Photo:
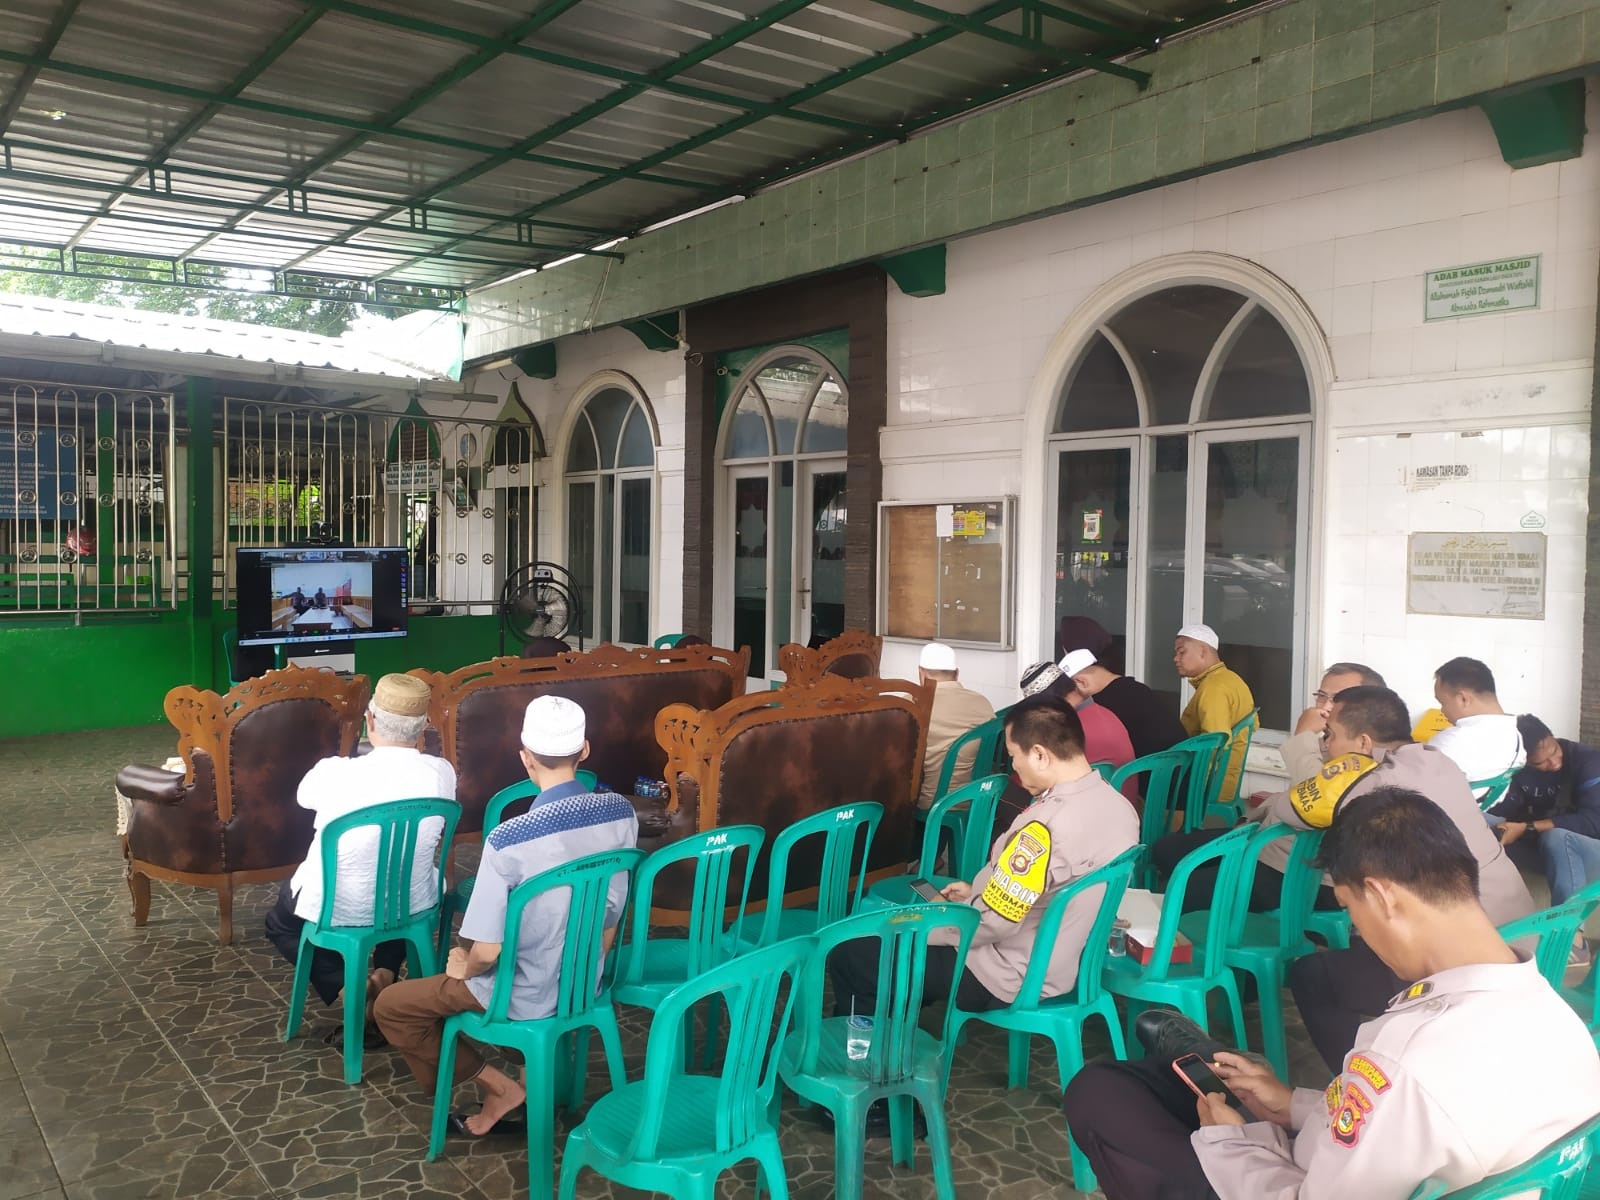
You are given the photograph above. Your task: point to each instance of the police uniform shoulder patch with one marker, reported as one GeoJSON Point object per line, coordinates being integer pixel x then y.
{"type": "Point", "coordinates": [1363, 1066]}
{"type": "Point", "coordinates": [1331, 1096]}
{"type": "Point", "coordinates": [1354, 1106]}
{"type": "Point", "coordinates": [1019, 875]}
{"type": "Point", "coordinates": [1317, 799]}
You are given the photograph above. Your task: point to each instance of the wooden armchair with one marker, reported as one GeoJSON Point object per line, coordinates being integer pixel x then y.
{"type": "Point", "coordinates": [232, 816]}
{"type": "Point", "coordinates": [772, 758]}
{"type": "Point", "coordinates": [854, 654]}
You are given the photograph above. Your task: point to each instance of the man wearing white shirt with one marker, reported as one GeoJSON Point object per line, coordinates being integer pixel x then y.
{"type": "Point", "coordinates": [395, 769]}
{"type": "Point", "coordinates": [1482, 738]}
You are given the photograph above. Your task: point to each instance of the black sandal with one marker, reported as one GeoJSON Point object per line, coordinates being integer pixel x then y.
{"type": "Point", "coordinates": [371, 1036]}
{"type": "Point", "coordinates": [513, 1124]}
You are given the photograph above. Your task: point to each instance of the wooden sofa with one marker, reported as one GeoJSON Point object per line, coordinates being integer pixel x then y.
{"type": "Point", "coordinates": [476, 711]}
{"type": "Point", "coordinates": [854, 654]}
{"type": "Point", "coordinates": [773, 758]}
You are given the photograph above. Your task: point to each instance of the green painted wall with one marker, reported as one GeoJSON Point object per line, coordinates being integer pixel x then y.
{"type": "Point", "coordinates": [1309, 71]}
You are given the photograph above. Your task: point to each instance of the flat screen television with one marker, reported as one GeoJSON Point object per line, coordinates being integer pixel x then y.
{"type": "Point", "coordinates": [320, 594]}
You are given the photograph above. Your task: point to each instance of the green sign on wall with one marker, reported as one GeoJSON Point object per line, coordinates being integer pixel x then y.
{"type": "Point", "coordinates": [1509, 283]}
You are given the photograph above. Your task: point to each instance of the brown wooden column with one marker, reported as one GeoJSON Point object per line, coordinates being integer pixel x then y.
{"type": "Point", "coordinates": [854, 300]}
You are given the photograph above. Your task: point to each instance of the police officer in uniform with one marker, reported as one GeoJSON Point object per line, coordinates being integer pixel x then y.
{"type": "Point", "coordinates": [1431, 1089]}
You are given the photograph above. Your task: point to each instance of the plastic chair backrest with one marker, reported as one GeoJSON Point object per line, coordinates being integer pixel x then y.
{"type": "Point", "coordinates": [525, 789]}
{"type": "Point", "coordinates": [1555, 927]}
{"type": "Point", "coordinates": [987, 736]}
{"type": "Point", "coordinates": [399, 828]}
{"type": "Point", "coordinates": [1556, 1173]}
{"type": "Point", "coordinates": [714, 856]}
{"type": "Point", "coordinates": [1105, 770]}
{"type": "Point", "coordinates": [1113, 877]}
{"type": "Point", "coordinates": [1164, 791]}
{"type": "Point", "coordinates": [588, 881]}
{"type": "Point", "coordinates": [1300, 883]}
{"type": "Point", "coordinates": [966, 859]}
{"type": "Point", "coordinates": [1238, 743]}
{"type": "Point", "coordinates": [1228, 853]}
{"type": "Point", "coordinates": [752, 988]}
{"type": "Point", "coordinates": [902, 937]}
{"type": "Point", "coordinates": [666, 641]}
{"type": "Point", "coordinates": [1205, 781]}
{"type": "Point", "coordinates": [230, 642]}
{"type": "Point", "coordinates": [841, 827]}
{"type": "Point", "coordinates": [1494, 790]}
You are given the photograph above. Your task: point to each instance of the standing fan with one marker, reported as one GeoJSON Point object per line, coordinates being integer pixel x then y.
{"type": "Point", "coordinates": [539, 600]}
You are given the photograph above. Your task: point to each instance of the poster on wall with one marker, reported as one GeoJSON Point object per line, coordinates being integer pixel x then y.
{"type": "Point", "coordinates": [1476, 574]}
{"type": "Point", "coordinates": [38, 474]}
{"type": "Point", "coordinates": [1500, 286]}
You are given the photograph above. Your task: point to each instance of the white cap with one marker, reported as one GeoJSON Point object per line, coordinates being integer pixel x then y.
{"type": "Point", "coordinates": [1200, 633]}
{"type": "Point", "coordinates": [936, 656]}
{"type": "Point", "coordinates": [553, 726]}
{"type": "Point", "coordinates": [1076, 661]}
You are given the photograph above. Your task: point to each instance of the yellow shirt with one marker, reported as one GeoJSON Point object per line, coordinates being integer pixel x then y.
{"type": "Point", "coordinates": [1221, 700]}
{"type": "Point", "coordinates": [1429, 723]}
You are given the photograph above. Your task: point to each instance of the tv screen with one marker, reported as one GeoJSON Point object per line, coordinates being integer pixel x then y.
{"type": "Point", "coordinates": [321, 594]}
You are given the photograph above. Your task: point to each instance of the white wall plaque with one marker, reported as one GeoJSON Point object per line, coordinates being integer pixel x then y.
{"type": "Point", "coordinates": [1509, 283]}
{"type": "Point", "coordinates": [1476, 574]}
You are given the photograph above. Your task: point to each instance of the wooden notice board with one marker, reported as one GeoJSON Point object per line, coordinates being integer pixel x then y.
{"type": "Point", "coordinates": [945, 573]}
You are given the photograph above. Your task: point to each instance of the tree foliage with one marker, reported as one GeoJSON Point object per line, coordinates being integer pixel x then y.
{"type": "Point", "coordinates": [331, 318]}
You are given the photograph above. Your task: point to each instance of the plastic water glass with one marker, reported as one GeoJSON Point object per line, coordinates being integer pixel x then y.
{"type": "Point", "coordinates": [858, 1036]}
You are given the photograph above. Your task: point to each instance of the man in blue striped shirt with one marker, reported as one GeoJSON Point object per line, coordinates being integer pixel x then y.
{"type": "Point", "coordinates": [565, 822]}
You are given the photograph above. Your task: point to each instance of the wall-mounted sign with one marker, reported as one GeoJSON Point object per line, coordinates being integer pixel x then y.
{"type": "Point", "coordinates": [38, 474]}
{"type": "Point", "coordinates": [413, 475]}
{"type": "Point", "coordinates": [1092, 523]}
{"type": "Point", "coordinates": [1476, 574]}
{"type": "Point", "coordinates": [1432, 474]}
{"type": "Point", "coordinates": [1501, 286]}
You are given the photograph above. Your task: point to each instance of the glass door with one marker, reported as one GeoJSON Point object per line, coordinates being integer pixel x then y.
{"type": "Point", "coordinates": [1247, 521]}
{"type": "Point", "coordinates": [819, 594]}
{"type": "Point", "coordinates": [750, 489]}
{"type": "Point", "coordinates": [1094, 531]}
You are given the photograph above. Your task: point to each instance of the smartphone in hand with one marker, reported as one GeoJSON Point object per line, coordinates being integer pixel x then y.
{"type": "Point", "coordinates": [1202, 1080]}
{"type": "Point", "coordinates": [927, 891]}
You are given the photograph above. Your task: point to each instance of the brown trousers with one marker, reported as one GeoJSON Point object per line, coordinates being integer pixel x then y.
{"type": "Point", "coordinates": [411, 1015]}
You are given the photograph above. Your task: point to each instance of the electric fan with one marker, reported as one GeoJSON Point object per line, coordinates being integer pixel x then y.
{"type": "Point", "coordinates": [539, 600]}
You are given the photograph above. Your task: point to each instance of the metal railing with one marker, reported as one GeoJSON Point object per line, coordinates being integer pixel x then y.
{"type": "Point", "coordinates": [457, 493]}
{"type": "Point", "coordinates": [86, 499]}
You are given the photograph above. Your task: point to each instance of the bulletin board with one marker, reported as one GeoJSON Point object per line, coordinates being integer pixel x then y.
{"type": "Point", "coordinates": [944, 571]}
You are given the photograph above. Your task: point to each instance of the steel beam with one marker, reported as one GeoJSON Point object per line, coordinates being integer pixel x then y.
{"type": "Point", "coordinates": [141, 83]}
{"type": "Point", "coordinates": [46, 47]}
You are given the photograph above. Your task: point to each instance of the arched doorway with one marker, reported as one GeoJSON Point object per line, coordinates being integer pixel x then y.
{"type": "Point", "coordinates": [1178, 485]}
{"type": "Point", "coordinates": [783, 512]}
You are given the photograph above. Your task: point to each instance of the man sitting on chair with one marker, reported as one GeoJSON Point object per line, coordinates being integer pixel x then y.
{"type": "Point", "coordinates": [1432, 1088]}
{"type": "Point", "coordinates": [395, 769]}
{"type": "Point", "coordinates": [565, 822]}
{"type": "Point", "coordinates": [956, 711]}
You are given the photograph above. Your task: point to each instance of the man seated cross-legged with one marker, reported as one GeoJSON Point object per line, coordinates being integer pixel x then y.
{"type": "Point", "coordinates": [395, 769]}
{"type": "Point", "coordinates": [1432, 1088]}
{"type": "Point", "coordinates": [565, 822]}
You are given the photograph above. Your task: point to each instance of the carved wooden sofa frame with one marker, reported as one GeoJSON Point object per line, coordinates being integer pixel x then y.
{"type": "Point", "coordinates": [619, 689]}
{"type": "Point", "coordinates": [200, 817]}
{"type": "Point", "coordinates": [854, 654]}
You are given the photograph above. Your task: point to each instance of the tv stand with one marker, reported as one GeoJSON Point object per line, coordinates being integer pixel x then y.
{"type": "Point", "coordinates": [338, 657]}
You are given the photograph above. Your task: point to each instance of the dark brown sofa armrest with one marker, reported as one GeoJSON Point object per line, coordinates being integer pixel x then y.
{"type": "Point", "coordinates": [154, 784]}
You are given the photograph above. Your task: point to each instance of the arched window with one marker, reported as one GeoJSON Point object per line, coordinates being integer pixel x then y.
{"type": "Point", "coordinates": [1180, 465]}
{"type": "Point", "coordinates": [610, 475]}
{"type": "Point", "coordinates": [784, 438]}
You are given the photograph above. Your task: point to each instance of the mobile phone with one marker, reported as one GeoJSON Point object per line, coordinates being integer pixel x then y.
{"type": "Point", "coordinates": [1202, 1080]}
{"type": "Point", "coordinates": [927, 891]}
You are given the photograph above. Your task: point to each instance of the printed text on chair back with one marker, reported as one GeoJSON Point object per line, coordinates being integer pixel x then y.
{"type": "Point", "coordinates": [982, 798]}
{"type": "Point", "coordinates": [723, 861]}
{"type": "Point", "coordinates": [838, 841]}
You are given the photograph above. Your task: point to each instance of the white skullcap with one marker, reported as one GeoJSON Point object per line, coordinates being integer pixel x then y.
{"type": "Point", "coordinates": [553, 726]}
{"type": "Point", "coordinates": [1200, 633]}
{"type": "Point", "coordinates": [936, 656]}
{"type": "Point", "coordinates": [1077, 661]}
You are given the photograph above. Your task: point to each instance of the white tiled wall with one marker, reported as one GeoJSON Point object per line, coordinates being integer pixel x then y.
{"type": "Point", "coordinates": [1350, 227]}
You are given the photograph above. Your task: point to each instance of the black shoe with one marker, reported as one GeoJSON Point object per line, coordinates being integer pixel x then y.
{"type": "Point", "coordinates": [1167, 1033]}
{"type": "Point", "coordinates": [514, 1123]}
{"type": "Point", "coordinates": [371, 1036]}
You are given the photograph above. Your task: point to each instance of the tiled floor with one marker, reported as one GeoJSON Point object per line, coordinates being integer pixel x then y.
{"type": "Point", "coordinates": [147, 1063]}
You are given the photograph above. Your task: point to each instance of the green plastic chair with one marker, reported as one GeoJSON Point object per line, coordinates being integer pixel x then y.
{"type": "Point", "coordinates": [1556, 1173]}
{"type": "Point", "coordinates": [554, 1049]}
{"type": "Point", "coordinates": [1230, 808]}
{"type": "Point", "coordinates": [455, 899]}
{"type": "Point", "coordinates": [1494, 790]}
{"type": "Point", "coordinates": [1264, 944]}
{"type": "Point", "coordinates": [990, 740]}
{"type": "Point", "coordinates": [976, 804]}
{"type": "Point", "coordinates": [650, 968]}
{"type": "Point", "coordinates": [1105, 770]}
{"type": "Point", "coordinates": [1165, 788]}
{"type": "Point", "coordinates": [904, 1064]}
{"type": "Point", "coordinates": [840, 828]}
{"type": "Point", "coordinates": [1556, 927]}
{"type": "Point", "coordinates": [398, 827]}
{"type": "Point", "coordinates": [1064, 1019]}
{"type": "Point", "coordinates": [1186, 986]}
{"type": "Point", "coordinates": [675, 1132]}
{"type": "Point", "coordinates": [667, 641]}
